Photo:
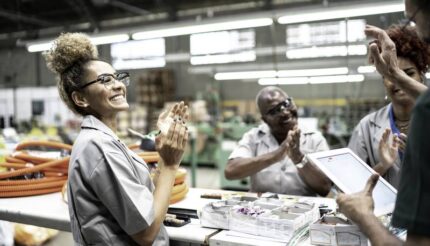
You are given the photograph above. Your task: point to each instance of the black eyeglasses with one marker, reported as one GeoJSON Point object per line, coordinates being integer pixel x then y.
{"type": "Point", "coordinates": [108, 79]}
{"type": "Point", "coordinates": [287, 104]}
{"type": "Point", "coordinates": [410, 20]}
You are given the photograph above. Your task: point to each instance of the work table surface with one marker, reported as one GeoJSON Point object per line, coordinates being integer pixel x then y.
{"type": "Point", "coordinates": [50, 211]}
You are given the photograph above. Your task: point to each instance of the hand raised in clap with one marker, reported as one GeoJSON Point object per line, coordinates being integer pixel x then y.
{"type": "Point", "coordinates": [388, 151]}
{"type": "Point", "coordinates": [293, 143]}
{"type": "Point", "coordinates": [383, 57]}
{"type": "Point", "coordinates": [173, 137]}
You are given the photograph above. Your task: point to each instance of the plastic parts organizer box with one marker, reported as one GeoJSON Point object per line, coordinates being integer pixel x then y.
{"type": "Point", "coordinates": [267, 217]}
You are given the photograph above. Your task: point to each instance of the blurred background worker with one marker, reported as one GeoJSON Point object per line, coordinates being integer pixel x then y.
{"type": "Point", "coordinates": [274, 153]}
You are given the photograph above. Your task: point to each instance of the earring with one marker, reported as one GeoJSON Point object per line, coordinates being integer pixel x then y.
{"type": "Point", "coordinates": [386, 98]}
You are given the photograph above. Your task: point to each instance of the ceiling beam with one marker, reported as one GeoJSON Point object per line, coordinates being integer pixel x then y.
{"type": "Point", "coordinates": [129, 8]}
{"type": "Point", "coordinates": [86, 9]}
{"type": "Point", "coordinates": [24, 18]}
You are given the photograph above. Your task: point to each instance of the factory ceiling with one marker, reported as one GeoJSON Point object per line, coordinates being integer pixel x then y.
{"type": "Point", "coordinates": [22, 20]}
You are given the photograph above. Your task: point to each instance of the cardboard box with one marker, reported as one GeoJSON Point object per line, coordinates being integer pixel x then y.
{"type": "Point", "coordinates": [334, 231]}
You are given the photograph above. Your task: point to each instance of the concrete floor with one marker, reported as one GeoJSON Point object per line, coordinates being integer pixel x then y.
{"type": "Point", "coordinates": [205, 178]}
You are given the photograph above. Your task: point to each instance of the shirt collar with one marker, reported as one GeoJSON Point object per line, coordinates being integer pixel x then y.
{"type": "Point", "coordinates": [381, 117]}
{"type": "Point", "coordinates": [92, 122]}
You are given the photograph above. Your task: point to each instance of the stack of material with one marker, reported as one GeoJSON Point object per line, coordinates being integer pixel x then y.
{"type": "Point", "coordinates": [32, 172]}
{"type": "Point", "coordinates": [180, 188]}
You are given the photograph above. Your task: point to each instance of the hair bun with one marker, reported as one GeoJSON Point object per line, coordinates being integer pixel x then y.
{"type": "Point", "coordinates": [68, 49]}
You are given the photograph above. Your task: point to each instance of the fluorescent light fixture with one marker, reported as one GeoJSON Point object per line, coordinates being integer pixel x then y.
{"type": "Point", "coordinates": [212, 27]}
{"type": "Point", "coordinates": [245, 75]}
{"type": "Point", "coordinates": [37, 47]}
{"type": "Point", "coordinates": [313, 72]}
{"type": "Point", "coordinates": [137, 64]}
{"type": "Point", "coordinates": [281, 74]}
{"type": "Point", "coordinates": [357, 50]}
{"type": "Point", "coordinates": [224, 58]}
{"type": "Point", "coordinates": [336, 79]}
{"type": "Point", "coordinates": [366, 69]}
{"type": "Point", "coordinates": [96, 40]}
{"type": "Point", "coordinates": [326, 51]}
{"type": "Point", "coordinates": [284, 81]}
{"type": "Point", "coordinates": [312, 80]}
{"type": "Point", "coordinates": [341, 12]}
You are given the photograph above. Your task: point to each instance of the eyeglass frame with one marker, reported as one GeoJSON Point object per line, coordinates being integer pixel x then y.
{"type": "Point", "coordinates": [277, 109]}
{"type": "Point", "coordinates": [114, 76]}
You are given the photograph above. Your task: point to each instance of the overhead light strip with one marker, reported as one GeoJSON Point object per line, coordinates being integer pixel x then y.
{"type": "Point", "coordinates": [341, 12]}
{"type": "Point", "coordinates": [212, 27]}
{"type": "Point", "coordinates": [327, 51]}
{"type": "Point", "coordinates": [366, 69]}
{"type": "Point", "coordinates": [281, 73]}
{"type": "Point", "coordinates": [96, 40]}
{"type": "Point", "coordinates": [246, 75]}
{"type": "Point", "coordinates": [312, 80]}
{"type": "Point", "coordinates": [313, 72]}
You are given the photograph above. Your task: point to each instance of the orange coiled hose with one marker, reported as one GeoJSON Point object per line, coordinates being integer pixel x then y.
{"type": "Point", "coordinates": [178, 188]}
{"type": "Point", "coordinates": [15, 165]}
{"type": "Point", "coordinates": [54, 170]}
{"type": "Point", "coordinates": [44, 185]}
{"type": "Point", "coordinates": [134, 146]}
{"type": "Point", "coordinates": [30, 181]}
{"type": "Point", "coordinates": [179, 196]}
{"type": "Point", "coordinates": [34, 169]}
{"type": "Point", "coordinates": [29, 192]}
{"type": "Point", "coordinates": [30, 158]}
{"type": "Point", "coordinates": [149, 157]}
{"type": "Point", "coordinates": [54, 174]}
{"type": "Point", "coordinates": [21, 166]}
{"type": "Point", "coordinates": [56, 145]}
{"type": "Point", "coordinates": [11, 159]}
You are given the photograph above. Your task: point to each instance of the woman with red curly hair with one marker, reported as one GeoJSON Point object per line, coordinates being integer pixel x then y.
{"type": "Point", "coordinates": [371, 139]}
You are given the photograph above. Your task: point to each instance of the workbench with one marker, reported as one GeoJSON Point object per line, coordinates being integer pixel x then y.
{"type": "Point", "coordinates": [50, 211]}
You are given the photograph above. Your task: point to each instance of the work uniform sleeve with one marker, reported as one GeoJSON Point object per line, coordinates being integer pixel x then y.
{"type": "Point", "coordinates": [246, 147]}
{"type": "Point", "coordinates": [413, 197]}
{"type": "Point", "coordinates": [357, 142]}
{"type": "Point", "coordinates": [320, 142]}
{"type": "Point", "coordinates": [118, 187]}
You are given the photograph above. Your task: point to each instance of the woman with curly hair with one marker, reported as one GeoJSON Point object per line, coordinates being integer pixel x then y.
{"type": "Point", "coordinates": [371, 137]}
{"type": "Point", "coordinates": [112, 199]}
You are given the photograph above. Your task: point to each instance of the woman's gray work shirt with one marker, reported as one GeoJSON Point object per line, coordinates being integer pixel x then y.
{"type": "Point", "coordinates": [365, 142]}
{"type": "Point", "coordinates": [109, 189]}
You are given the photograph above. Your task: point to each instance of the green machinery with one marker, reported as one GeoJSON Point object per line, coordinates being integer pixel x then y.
{"type": "Point", "coordinates": [212, 145]}
{"type": "Point", "coordinates": [232, 133]}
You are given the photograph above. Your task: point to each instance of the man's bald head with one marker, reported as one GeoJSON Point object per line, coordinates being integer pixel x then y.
{"type": "Point", "coordinates": [266, 94]}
